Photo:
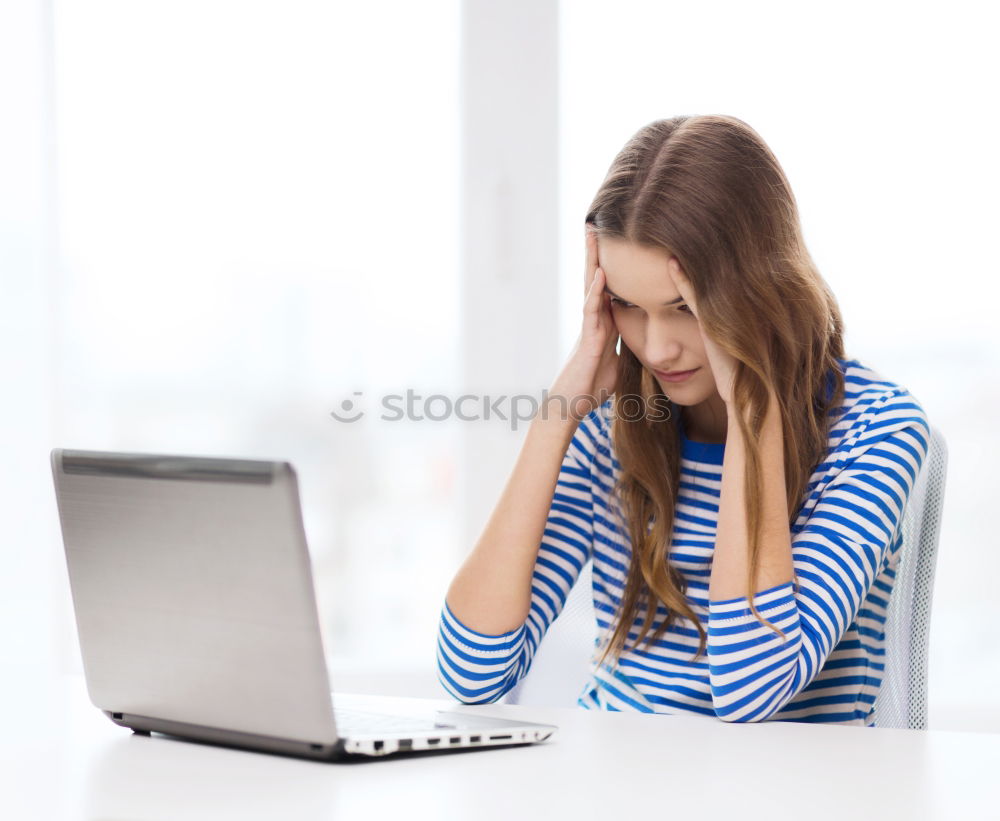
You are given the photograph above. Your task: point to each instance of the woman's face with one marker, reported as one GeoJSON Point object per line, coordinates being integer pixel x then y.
{"type": "Point", "coordinates": [654, 322]}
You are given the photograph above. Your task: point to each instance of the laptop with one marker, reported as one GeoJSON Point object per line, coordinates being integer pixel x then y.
{"type": "Point", "coordinates": [196, 612]}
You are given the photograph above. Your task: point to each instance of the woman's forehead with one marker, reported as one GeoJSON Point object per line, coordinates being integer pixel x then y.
{"type": "Point", "coordinates": [637, 273]}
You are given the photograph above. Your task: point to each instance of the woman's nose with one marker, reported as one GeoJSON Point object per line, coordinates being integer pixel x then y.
{"type": "Point", "coordinates": [662, 345]}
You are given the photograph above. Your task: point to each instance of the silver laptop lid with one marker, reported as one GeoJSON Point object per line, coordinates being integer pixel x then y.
{"type": "Point", "coordinates": [193, 591]}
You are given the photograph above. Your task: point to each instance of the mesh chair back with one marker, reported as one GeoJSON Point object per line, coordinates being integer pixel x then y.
{"type": "Point", "coordinates": [902, 699]}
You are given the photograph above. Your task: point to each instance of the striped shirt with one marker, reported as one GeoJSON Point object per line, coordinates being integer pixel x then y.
{"type": "Point", "coordinates": [845, 547]}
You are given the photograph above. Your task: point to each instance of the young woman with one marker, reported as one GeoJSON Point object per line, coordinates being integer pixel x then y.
{"type": "Point", "coordinates": [741, 491]}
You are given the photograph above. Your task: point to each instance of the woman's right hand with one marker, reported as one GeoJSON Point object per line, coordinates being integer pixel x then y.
{"type": "Point", "coordinates": [588, 377]}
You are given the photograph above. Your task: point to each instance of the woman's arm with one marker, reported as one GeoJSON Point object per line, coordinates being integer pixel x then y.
{"type": "Point", "coordinates": [491, 593]}
{"type": "Point", "coordinates": [730, 561]}
{"type": "Point", "coordinates": [839, 551]}
{"type": "Point", "coordinates": [477, 667]}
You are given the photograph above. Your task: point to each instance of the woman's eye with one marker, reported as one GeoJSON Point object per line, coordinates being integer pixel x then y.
{"type": "Point", "coordinates": [621, 303]}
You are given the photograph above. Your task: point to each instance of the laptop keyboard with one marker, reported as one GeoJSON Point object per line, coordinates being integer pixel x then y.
{"type": "Point", "coordinates": [360, 721]}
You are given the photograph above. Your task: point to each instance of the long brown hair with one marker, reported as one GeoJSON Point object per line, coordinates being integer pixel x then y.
{"type": "Point", "coordinates": [709, 191]}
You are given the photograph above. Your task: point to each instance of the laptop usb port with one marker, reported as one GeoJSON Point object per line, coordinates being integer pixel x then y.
{"type": "Point", "coordinates": [474, 739]}
{"type": "Point", "coordinates": [455, 740]}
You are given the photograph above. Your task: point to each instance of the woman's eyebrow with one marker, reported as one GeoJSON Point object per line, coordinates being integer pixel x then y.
{"type": "Point", "coordinates": [672, 302]}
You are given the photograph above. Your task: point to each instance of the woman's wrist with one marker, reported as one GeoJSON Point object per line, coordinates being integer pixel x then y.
{"type": "Point", "coordinates": [557, 404]}
{"type": "Point", "coordinates": [772, 415]}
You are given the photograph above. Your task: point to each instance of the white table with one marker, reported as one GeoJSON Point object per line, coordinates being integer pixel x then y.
{"type": "Point", "coordinates": [61, 758]}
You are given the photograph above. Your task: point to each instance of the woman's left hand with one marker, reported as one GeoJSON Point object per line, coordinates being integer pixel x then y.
{"type": "Point", "coordinates": [723, 365]}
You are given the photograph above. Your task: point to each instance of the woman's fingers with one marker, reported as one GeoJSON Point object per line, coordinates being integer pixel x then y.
{"type": "Point", "coordinates": [595, 294]}
{"type": "Point", "coordinates": [598, 321]}
{"type": "Point", "coordinates": [592, 368]}
{"type": "Point", "coordinates": [591, 259]}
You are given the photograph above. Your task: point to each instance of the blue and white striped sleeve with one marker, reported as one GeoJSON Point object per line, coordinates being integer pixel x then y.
{"type": "Point", "coordinates": [837, 554]}
{"type": "Point", "coordinates": [477, 668]}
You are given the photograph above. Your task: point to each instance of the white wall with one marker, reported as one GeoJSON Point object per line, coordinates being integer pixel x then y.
{"type": "Point", "coordinates": [31, 575]}
{"type": "Point", "coordinates": [510, 259]}
{"type": "Point", "coordinates": [256, 218]}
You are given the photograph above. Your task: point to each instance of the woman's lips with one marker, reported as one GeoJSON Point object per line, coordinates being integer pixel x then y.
{"type": "Point", "coordinates": [674, 376]}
